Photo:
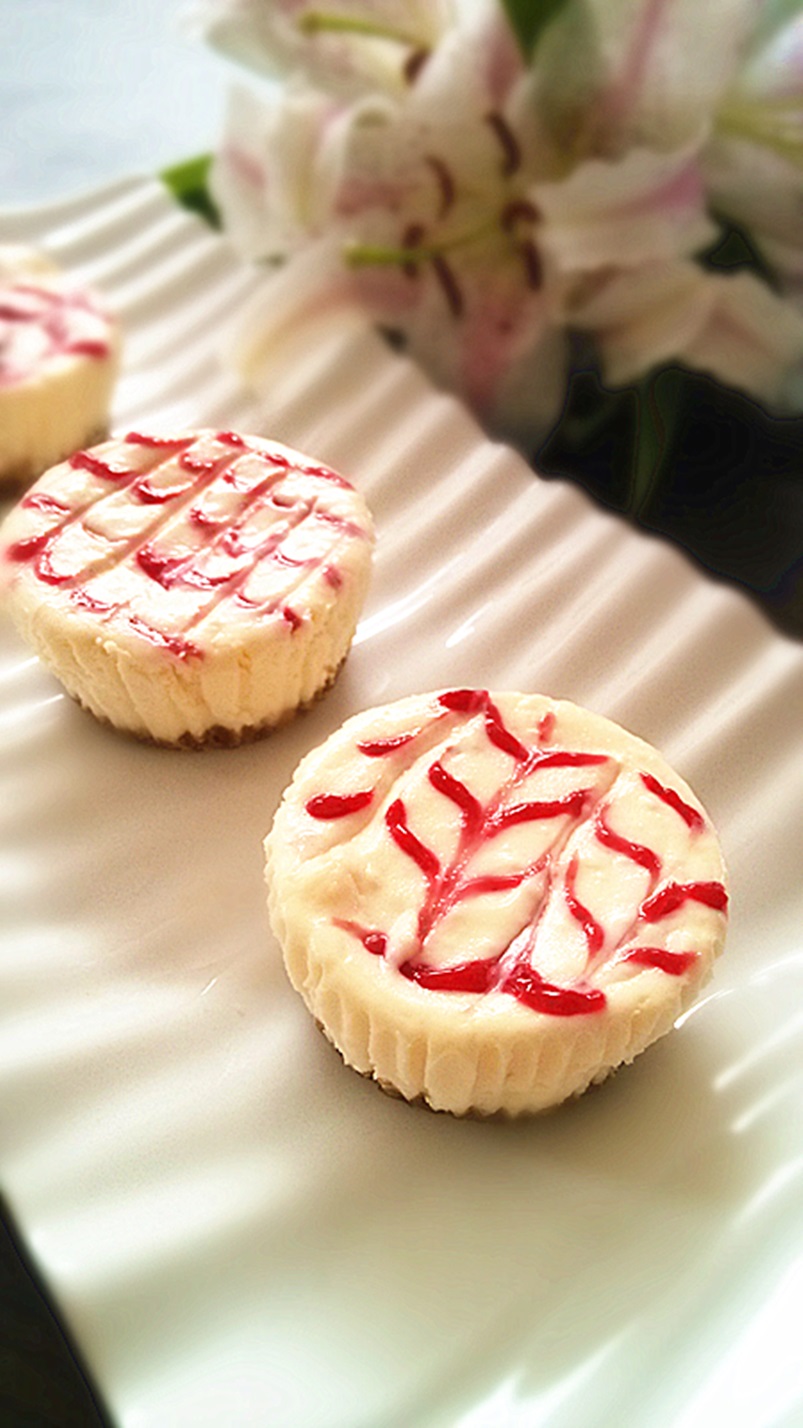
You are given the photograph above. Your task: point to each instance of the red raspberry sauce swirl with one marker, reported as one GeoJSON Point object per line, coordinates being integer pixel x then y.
{"type": "Point", "coordinates": [510, 970]}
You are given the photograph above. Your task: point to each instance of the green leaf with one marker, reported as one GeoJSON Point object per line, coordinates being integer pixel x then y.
{"type": "Point", "coordinates": [188, 182]}
{"type": "Point", "coordinates": [659, 398]}
{"type": "Point", "coordinates": [529, 18]}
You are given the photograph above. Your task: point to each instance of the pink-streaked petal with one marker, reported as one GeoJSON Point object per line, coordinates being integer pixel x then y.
{"type": "Point", "coordinates": [310, 292]}
{"type": "Point", "coordinates": [272, 174]}
{"type": "Point", "coordinates": [624, 212]}
{"type": "Point", "coordinates": [614, 74]}
{"type": "Point", "coordinates": [502, 354]}
{"type": "Point", "coordinates": [729, 325]}
{"type": "Point", "coordinates": [477, 61]}
{"type": "Point", "coordinates": [644, 317]}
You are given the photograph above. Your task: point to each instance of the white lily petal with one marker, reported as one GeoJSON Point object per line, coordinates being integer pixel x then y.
{"type": "Point", "coordinates": [754, 162]}
{"type": "Point", "coordinates": [616, 73]}
{"type": "Point", "coordinates": [729, 325]}
{"type": "Point", "coordinates": [476, 64]}
{"type": "Point", "coordinates": [275, 169]}
{"type": "Point", "coordinates": [752, 340]}
{"type": "Point", "coordinates": [786, 259]}
{"type": "Point", "coordinates": [624, 212]}
{"type": "Point", "coordinates": [644, 317]}
{"type": "Point", "coordinates": [499, 333]}
{"type": "Point", "coordinates": [347, 49]}
{"type": "Point", "coordinates": [310, 291]}
{"type": "Point", "coordinates": [389, 178]}
{"type": "Point", "coordinates": [450, 117]}
{"type": "Point", "coordinates": [434, 184]}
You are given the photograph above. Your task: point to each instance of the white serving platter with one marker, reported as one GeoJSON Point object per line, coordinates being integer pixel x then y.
{"type": "Point", "coordinates": [237, 1229]}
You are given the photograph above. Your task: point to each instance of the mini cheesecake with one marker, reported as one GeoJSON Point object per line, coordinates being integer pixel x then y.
{"type": "Point", "coordinates": [191, 588]}
{"type": "Point", "coordinates": [59, 352]}
{"type": "Point", "coordinates": [488, 902]}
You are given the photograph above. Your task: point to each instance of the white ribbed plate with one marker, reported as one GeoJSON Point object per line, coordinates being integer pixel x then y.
{"type": "Point", "coordinates": [238, 1230]}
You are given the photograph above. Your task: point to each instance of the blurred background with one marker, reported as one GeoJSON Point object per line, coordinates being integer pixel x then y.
{"type": "Point", "coordinates": [96, 89]}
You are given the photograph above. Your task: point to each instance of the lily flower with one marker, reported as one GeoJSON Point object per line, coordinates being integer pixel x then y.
{"type": "Point", "coordinates": [481, 206]}
{"type": "Point", "coordinates": [449, 235]}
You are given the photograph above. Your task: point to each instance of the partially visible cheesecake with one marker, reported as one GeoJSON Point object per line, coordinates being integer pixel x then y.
{"type": "Point", "coordinates": [59, 353]}
{"type": "Point", "coordinates": [489, 902]}
{"type": "Point", "coordinates": [193, 588]}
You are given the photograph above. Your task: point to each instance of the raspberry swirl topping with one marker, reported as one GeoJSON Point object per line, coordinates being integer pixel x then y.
{"type": "Point", "coordinates": [544, 844]}
{"type": "Point", "coordinates": [176, 539]}
{"type": "Point", "coordinates": [42, 322]}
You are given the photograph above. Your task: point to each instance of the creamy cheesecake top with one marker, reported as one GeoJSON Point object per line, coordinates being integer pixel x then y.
{"type": "Point", "coordinates": [181, 542]}
{"type": "Point", "coordinates": [44, 320]}
{"type": "Point", "coordinates": [506, 850]}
